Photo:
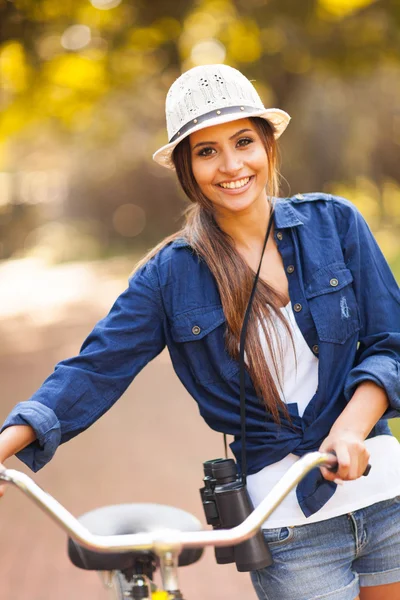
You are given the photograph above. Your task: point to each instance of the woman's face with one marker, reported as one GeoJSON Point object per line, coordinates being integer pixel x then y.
{"type": "Point", "coordinates": [229, 163]}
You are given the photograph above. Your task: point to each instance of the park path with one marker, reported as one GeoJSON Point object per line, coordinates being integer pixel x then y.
{"type": "Point", "coordinates": [148, 448]}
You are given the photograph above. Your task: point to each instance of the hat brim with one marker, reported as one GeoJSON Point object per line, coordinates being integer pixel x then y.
{"type": "Point", "coordinates": [279, 119]}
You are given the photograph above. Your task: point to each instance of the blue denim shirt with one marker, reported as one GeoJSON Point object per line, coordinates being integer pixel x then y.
{"type": "Point", "coordinates": [346, 303]}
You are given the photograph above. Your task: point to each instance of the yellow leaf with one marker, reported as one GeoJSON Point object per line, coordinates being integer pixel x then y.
{"type": "Point", "coordinates": [343, 8]}
{"type": "Point", "coordinates": [77, 73]}
{"type": "Point", "coordinates": [244, 43]}
{"type": "Point", "coordinates": [14, 70]}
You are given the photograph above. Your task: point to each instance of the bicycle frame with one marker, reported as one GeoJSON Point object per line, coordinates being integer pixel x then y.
{"type": "Point", "coordinates": [168, 544]}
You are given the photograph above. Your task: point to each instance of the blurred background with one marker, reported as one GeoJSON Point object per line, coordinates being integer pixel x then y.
{"type": "Point", "coordinates": [82, 89]}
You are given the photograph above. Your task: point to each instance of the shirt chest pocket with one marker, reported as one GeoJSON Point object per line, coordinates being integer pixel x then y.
{"type": "Point", "coordinates": [333, 303]}
{"type": "Point", "coordinates": [199, 338]}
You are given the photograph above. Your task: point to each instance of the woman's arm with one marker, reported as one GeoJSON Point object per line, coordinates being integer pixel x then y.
{"type": "Point", "coordinates": [16, 438]}
{"type": "Point", "coordinates": [372, 388]}
{"type": "Point", "coordinates": [349, 431]}
{"type": "Point", "coordinates": [378, 300]}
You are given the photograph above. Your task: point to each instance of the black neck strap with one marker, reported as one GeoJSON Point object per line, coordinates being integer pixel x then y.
{"type": "Point", "coordinates": [241, 355]}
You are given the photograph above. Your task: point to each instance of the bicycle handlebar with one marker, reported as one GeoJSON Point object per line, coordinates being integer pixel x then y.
{"type": "Point", "coordinates": [168, 540]}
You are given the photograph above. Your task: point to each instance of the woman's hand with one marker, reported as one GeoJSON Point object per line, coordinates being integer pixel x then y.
{"type": "Point", "coordinates": [12, 440]}
{"type": "Point", "coordinates": [351, 452]}
{"type": "Point", "coordinates": [351, 428]}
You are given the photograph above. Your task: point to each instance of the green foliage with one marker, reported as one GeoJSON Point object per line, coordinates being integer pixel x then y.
{"type": "Point", "coordinates": [395, 427]}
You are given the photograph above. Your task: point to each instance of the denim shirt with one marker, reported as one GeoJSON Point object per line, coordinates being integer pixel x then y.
{"type": "Point", "coordinates": [346, 303]}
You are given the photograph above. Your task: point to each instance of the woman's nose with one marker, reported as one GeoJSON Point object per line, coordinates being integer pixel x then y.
{"type": "Point", "coordinates": [231, 163]}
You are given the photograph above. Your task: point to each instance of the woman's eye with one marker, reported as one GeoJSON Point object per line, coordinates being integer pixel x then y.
{"type": "Point", "coordinates": [244, 141]}
{"type": "Point", "coordinates": [207, 151]}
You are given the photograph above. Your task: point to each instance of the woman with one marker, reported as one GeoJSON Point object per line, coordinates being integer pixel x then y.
{"type": "Point", "coordinates": [322, 348]}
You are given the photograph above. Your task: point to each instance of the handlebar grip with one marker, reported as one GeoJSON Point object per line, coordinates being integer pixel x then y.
{"type": "Point", "coordinates": [334, 468]}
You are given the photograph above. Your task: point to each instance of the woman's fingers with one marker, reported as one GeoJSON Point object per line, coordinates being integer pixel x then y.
{"type": "Point", "coordinates": [343, 464]}
{"type": "Point", "coordinates": [363, 461]}
{"type": "Point", "coordinates": [344, 459]}
{"type": "Point", "coordinates": [327, 474]}
{"type": "Point", "coordinates": [352, 457]}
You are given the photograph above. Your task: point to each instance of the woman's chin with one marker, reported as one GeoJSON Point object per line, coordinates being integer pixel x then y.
{"type": "Point", "coordinates": [238, 203]}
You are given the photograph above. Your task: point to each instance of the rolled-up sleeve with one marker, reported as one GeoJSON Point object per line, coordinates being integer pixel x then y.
{"type": "Point", "coordinates": [81, 389]}
{"type": "Point", "coordinates": [378, 299]}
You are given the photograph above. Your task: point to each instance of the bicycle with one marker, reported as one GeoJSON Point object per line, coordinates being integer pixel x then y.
{"type": "Point", "coordinates": [155, 537]}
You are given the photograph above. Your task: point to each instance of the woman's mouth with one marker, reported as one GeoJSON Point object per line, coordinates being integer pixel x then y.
{"type": "Point", "coordinates": [237, 186]}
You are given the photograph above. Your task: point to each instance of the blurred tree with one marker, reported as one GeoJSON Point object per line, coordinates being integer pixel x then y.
{"type": "Point", "coordinates": [83, 85]}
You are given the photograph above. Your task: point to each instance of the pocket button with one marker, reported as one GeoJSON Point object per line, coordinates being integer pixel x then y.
{"type": "Point", "coordinates": [334, 282]}
{"type": "Point", "coordinates": [196, 330]}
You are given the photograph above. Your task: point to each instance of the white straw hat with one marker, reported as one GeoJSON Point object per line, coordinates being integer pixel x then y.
{"type": "Point", "coordinates": [209, 95]}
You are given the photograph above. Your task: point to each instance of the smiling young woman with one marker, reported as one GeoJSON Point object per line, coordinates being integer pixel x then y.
{"type": "Point", "coordinates": [322, 346]}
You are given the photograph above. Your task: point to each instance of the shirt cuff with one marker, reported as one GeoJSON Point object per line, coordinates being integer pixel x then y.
{"type": "Point", "coordinates": [385, 372]}
{"type": "Point", "coordinates": [46, 426]}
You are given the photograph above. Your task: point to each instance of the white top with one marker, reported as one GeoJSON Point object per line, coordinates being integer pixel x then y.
{"type": "Point", "coordinates": [299, 379]}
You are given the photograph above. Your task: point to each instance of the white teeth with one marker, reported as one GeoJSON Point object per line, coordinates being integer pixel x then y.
{"type": "Point", "coordinates": [232, 185]}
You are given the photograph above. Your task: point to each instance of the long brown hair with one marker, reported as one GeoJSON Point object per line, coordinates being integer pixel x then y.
{"type": "Point", "coordinates": [233, 275]}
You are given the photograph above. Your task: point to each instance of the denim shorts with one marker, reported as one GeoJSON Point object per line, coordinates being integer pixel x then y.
{"type": "Point", "coordinates": [332, 559]}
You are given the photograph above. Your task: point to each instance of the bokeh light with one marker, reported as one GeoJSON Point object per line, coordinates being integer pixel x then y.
{"type": "Point", "coordinates": [48, 46]}
{"type": "Point", "coordinates": [14, 69]}
{"type": "Point", "coordinates": [76, 37]}
{"type": "Point", "coordinates": [105, 4]}
{"type": "Point", "coordinates": [209, 51]}
{"type": "Point", "coordinates": [342, 8]}
{"type": "Point", "coordinates": [82, 107]}
{"type": "Point", "coordinates": [129, 220]}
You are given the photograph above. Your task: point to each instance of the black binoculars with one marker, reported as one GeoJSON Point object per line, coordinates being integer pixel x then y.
{"type": "Point", "coordinates": [226, 503]}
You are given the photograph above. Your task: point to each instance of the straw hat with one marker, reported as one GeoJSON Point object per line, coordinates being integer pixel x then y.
{"type": "Point", "coordinates": [209, 95]}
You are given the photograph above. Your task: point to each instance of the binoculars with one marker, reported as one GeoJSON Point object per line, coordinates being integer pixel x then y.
{"type": "Point", "coordinates": [226, 503]}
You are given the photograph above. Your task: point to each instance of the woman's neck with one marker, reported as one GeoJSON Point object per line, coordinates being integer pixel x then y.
{"type": "Point", "coordinates": [247, 229]}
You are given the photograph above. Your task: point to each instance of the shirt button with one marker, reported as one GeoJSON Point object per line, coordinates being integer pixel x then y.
{"type": "Point", "coordinates": [297, 307]}
{"type": "Point", "coordinates": [196, 330]}
{"type": "Point", "coordinates": [279, 235]}
{"type": "Point", "coordinates": [290, 269]}
{"type": "Point", "coordinates": [334, 282]}
{"type": "Point", "coordinates": [315, 349]}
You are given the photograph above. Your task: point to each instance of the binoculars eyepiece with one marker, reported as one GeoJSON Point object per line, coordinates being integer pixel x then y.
{"type": "Point", "coordinates": [226, 503]}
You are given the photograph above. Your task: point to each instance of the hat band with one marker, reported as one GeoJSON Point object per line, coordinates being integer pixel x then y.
{"type": "Point", "coordinates": [227, 110]}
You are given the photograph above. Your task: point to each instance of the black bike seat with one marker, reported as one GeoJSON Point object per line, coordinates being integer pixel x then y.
{"type": "Point", "coordinates": [122, 519]}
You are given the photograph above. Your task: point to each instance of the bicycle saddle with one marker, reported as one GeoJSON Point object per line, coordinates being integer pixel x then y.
{"type": "Point", "coordinates": [122, 519]}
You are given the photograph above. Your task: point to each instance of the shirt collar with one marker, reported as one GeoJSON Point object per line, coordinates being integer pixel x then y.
{"type": "Point", "coordinates": [285, 216]}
